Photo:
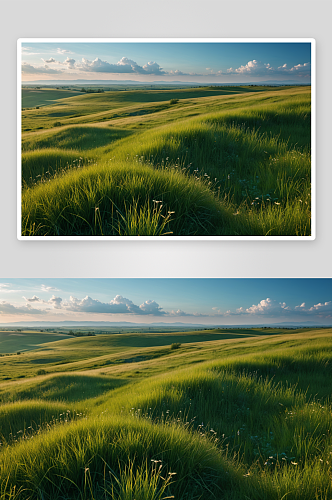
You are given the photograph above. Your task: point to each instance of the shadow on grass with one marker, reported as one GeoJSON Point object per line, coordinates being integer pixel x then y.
{"type": "Point", "coordinates": [79, 138]}
{"type": "Point", "coordinates": [67, 388]}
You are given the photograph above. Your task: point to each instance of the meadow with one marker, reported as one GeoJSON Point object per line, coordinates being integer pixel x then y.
{"type": "Point", "coordinates": [211, 414]}
{"type": "Point", "coordinates": [207, 161]}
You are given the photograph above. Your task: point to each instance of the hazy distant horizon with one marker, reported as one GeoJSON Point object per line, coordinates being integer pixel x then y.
{"type": "Point", "coordinates": [161, 82]}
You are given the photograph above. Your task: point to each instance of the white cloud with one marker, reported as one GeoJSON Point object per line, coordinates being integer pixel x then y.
{"type": "Point", "coordinates": [151, 307]}
{"type": "Point", "coordinates": [70, 63]}
{"type": "Point", "coordinates": [55, 302]}
{"type": "Point", "coordinates": [253, 67]}
{"type": "Point", "coordinates": [63, 51]}
{"type": "Point", "coordinates": [179, 312]}
{"type": "Point", "coordinates": [28, 69]}
{"type": "Point", "coordinates": [250, 67]}
{"type": "Point", "coordinates": [153, 68]}
{"type": "Point", "coordinates": [45, 288]}
{"type": "Point", "coordinates": [48, 61]}
{"type": "Point", "coordinates": [257, 68]}
{"type": "Point", "coordinates": [26, 52]}
{"type": "Point", "coordinates": [130, 65]}
{"type": "Point", "coordinates": [267, 306]}
{"type": "Point", "coordinates": [321, 307]}
{"type": "Point", "coordinates": [300, 67]}
{"type": "Point", "coordinates": [264, 307]}
{"type": "Point", "coordinates": [6, 309]}
{"type": "Point", "coordinates": [34, 299]}
{"type": "Point", "coordinates": [99, 66]}
{"type": "Point", "coordinates": [118, 305]}
{"type": "Point", "coordinates": [176, 72]}
{"type": "Point", "coordinates": [273, 308]}
{"type": "Point", "coordinates": [125, 65]}
{"type": "Point", "coordinates": [7, 288]}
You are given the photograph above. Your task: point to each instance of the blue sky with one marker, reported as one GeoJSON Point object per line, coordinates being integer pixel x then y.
{"type": "Point", "coordinates": [198, 62]}
{"type": "Point", "coordinates": [204, 301]}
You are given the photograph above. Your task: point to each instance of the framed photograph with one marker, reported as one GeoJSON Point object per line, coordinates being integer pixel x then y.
{"type": "Point", "coordinates": [166, 138]}
{"type": "Point", "coordinates": [166, 388]}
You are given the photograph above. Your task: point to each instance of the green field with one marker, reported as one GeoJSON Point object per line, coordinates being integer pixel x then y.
{"type": "Point", "coordinates": [11, 341]}
{"type": "Point", "coordinates": [40, 97]}
{"type": "Point", "coordinates": [207, 161]}
{"type": "Point", "coordinates": [211, 414]}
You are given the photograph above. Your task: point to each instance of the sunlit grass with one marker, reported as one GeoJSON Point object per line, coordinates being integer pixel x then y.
{"type": "Point", "coordinates": [251, 151]}
{"type": "Point", "coordinates": [107, 200]}
{"type": "Point", "coordinates": [228, 419]}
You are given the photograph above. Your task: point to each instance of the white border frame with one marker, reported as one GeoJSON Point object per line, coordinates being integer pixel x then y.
{"type": "Point", "coordinates": [312, 41]}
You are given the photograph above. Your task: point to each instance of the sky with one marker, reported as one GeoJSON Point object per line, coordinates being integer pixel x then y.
{"type": "Point", "coordinates": [229, 301]}
{"type": "Point", "coordinates": [202, 62]}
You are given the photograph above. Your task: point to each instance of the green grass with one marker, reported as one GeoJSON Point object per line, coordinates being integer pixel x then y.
{"type": "Point", "coordinates": [13, 341]}
{"type": "Point", "coordinates": [44, 97]}
{"type": "Point", "coordinates": [226, 415]}
{"type": "Point", "coordinates": [87, 106]}
{"type": "Point", "coordinates": [247, 150]}
{"type": "Point", "coordinates": [126, 200]}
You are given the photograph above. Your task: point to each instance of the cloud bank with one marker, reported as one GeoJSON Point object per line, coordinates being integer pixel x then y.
{"type": "Point", "coordinates": [273, 309]}
{"type": "Point", "coordinates": [119, 305]}
{"type": "Point", "coordinates": [128, 66]}
{"type": "Point", "coordinates": [257, 68]}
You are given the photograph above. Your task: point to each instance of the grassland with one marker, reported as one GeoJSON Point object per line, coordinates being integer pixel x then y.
{"type": "Point", "coordinates": [219, 414]}
{"type": "Point", "coordinates": [225, 161]}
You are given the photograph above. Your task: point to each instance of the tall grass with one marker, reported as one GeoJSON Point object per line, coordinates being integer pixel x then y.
{"type": "Point", "coordinates": [103, 200]}
{"type": "Point", "coordinates": [244, 425]}
{"type": "Point", "coordinates": [107, 448]}
{"type": "Point", "coordinates": [41, 165]}
{"type": "Point", "coordinates": [73, 138]}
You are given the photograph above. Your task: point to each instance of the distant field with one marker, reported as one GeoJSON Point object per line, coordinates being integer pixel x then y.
{"type": "Point", "coordinates": [175, 162]}
{"type": "Point", "coordinates": [13, 341]}
{"type": "Point", "coordinates": [225, 414]}
{"type": "Point", "coordinates": [44, 97]}
{"type": "Point", "coordinates": [24, 341]}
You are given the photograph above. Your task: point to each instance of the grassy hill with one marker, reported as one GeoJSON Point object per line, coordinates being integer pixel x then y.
{"type": "Point", "coordinates": [187, 162]}
{"type": "Point", "coordinates": [219, 414]}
